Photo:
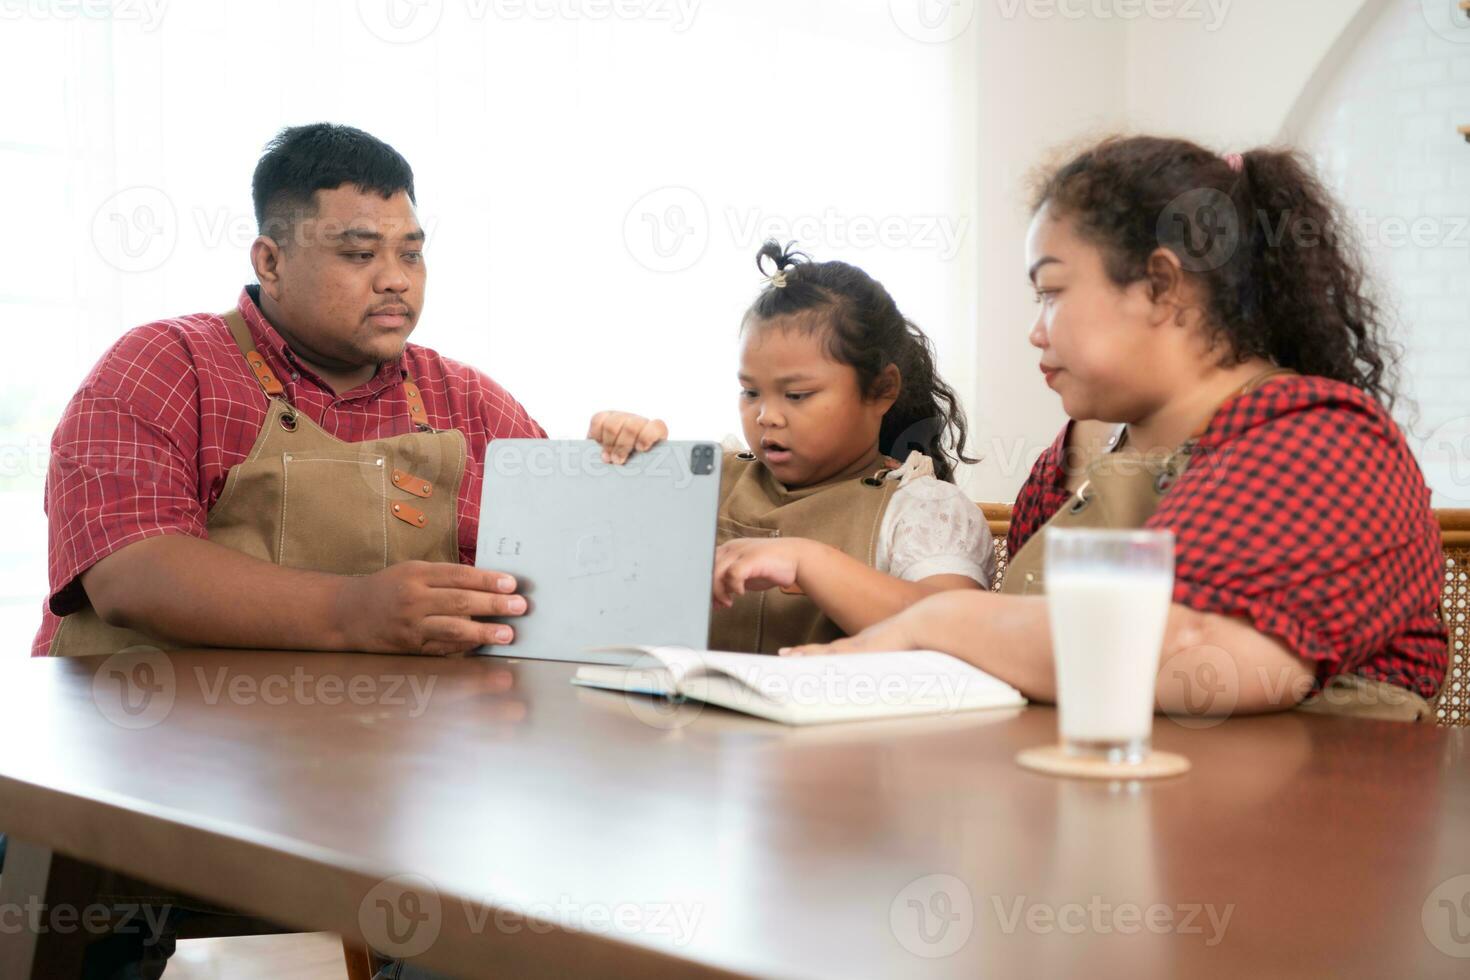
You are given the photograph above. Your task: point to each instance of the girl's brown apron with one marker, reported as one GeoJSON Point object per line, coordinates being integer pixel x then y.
{"type": "Point", "coordinates": [846, 512]}
{"type": "Point", "coordinates": [305, 499]}
{"type": "Point", "coordinates": [1122, 489]}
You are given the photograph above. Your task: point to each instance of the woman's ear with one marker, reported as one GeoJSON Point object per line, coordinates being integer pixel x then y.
{"type": "Point", "coordinates": [1167, 286]}
{"type": "Point", "coordinates": [887, 386]}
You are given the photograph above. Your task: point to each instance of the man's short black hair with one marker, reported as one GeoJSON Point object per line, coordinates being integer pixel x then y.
{"type": "Point", "coordinates": [302, 160]}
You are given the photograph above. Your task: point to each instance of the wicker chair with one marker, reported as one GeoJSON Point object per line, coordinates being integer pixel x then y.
{"type": "Point", "coordinates": [1452, 704]}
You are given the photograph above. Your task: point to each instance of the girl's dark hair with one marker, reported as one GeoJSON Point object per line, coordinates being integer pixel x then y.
{"type": "Point", "coordinates": [865, 330]}
{"type": "Point", "coordinates": [1282, 274]}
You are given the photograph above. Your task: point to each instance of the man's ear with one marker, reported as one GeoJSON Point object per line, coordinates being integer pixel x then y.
{"type": "Point", "coordinates": [265, 256]}
{"type": "Point", "coordinates": [1167, 287]}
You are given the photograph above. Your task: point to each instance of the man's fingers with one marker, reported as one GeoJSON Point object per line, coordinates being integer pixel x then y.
{"type": "Point", "coordinates": [468, 602]}
{"type": "Point", "coordinates": [456, 634]}
{"type": "Point", "coordinates": [452, 575]}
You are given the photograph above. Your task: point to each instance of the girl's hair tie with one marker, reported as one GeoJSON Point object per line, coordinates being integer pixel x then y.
{"type": "Point", "coordinates": [777, 279]}
{"type": "Point", "coordinates": [1235, 162]}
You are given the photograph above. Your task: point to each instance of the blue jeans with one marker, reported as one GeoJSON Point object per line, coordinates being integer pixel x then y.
{"type": "Point", "coordinates": [399, 970]}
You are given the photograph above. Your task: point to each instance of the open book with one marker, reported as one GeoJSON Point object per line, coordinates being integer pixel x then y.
{"type": "Point", "coordinates": [807, 690]}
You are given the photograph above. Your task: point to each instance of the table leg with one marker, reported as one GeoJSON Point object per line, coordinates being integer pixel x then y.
{"type": "Point", "coordinates": [42, 895]}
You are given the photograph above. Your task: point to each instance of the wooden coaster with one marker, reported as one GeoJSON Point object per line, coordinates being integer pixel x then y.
{"type": "Point", "coordinates": [1055, 761]}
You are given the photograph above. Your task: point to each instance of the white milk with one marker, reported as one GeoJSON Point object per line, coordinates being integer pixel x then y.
{"type": "Point", "coordinates": [1107, 628]}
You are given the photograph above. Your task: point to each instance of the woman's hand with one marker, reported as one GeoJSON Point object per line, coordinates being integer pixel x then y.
{"type": "Point", "coordinates": [620, 433]}
{"type": "Point", "coordinates": [756, 564]}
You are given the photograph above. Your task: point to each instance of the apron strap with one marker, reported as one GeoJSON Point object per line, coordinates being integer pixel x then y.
{"type": "Point", "coordinates": [271, 385]}
{"type": "Point", "coordinates": [241, 332]}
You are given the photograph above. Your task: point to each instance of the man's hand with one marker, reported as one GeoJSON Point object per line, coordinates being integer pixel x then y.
{"type": "Point", "coordinates": [426, 607]}
{"type": "Point", "coordinates": [619, 433]}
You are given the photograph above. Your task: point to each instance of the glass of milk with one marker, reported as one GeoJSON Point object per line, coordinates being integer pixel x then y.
{"type": "Point", "coordinates": [1108, 596]}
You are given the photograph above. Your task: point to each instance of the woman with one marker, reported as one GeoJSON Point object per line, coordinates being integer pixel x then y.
{"type": "Point", "coordinates": [1209, 332]}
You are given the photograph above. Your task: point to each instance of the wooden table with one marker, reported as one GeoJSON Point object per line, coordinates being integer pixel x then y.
{"type": "Point", "coordinates": [513, 825]}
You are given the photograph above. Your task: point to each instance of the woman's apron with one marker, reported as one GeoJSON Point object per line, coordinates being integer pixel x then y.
{"type": "Point", "coordinates": [305, 499]}
{"type": "Point", "coordinates": [1122, 489]}
{"type": "Point", "coordinates": [846, 513]}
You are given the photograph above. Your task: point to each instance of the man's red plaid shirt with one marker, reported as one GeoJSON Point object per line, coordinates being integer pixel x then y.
{"type": "Point", "coordinates": [144, 446]}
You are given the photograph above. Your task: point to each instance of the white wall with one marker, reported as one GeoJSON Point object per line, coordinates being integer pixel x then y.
{"type": "Point", "coordinates": [1383, 127]}
{"type": "Point", "coordinates": [1043, 81]}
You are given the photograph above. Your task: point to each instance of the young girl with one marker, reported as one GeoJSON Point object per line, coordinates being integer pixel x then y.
{"type": "Point", "coordinates": [844, 510]}
{"type": "Point", "coordinates": [1207, 323]}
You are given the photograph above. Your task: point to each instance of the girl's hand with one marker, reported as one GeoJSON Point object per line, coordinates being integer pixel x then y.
{"type": "Point", "coordinates": [892, 634]}
{"type": "Point", "coordinates": [756, 564]}
{"type": "Point", "coordinates": [619, 433]}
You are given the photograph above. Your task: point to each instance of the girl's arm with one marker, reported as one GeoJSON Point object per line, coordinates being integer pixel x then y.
{"type": "Point", "coordinates": [851, 593]}
{"type": "Point", "coordinates": [1211, 664]}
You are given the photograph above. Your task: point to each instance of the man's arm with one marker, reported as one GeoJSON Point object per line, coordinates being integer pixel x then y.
{"type": "Point", "coordinates": [193, 591]}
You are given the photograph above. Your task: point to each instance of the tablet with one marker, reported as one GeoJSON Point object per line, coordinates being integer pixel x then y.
{"type": "Point", "coordinates": [605, 555]}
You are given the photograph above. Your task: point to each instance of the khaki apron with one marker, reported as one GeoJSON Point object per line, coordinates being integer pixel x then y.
{"type": "Point", "coordinates": [846, 513]}
{"type": "Point", "coordinates": [304, 499]}
{"type": "Point", "coordinates": [1122, 489]}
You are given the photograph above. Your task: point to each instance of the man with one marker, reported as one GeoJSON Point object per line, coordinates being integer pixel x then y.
{"type": "Point", "coordinates": [292, 474]}
{"type": "Point", "coordinates": [139, 549]}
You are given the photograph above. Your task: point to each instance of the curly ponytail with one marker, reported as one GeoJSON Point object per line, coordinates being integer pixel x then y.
{"type": "Point", "coordinates": [1283, 275]}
